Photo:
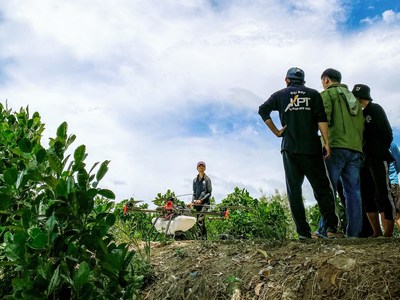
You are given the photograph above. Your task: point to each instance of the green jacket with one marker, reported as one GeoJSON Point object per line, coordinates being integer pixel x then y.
{"type": "Point", "coordinates": [345, 117]}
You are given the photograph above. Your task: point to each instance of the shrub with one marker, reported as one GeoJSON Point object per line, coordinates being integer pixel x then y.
{"type": "Point", "coordinates": [54, 239]}
{"type": "Point", "coordinates": [252, 218]}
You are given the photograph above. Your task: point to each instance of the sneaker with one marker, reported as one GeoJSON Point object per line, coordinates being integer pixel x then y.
{"type": "Point", "coordinates": [302, 237]}
{"type": "Point", "coordinates": [334, 235]}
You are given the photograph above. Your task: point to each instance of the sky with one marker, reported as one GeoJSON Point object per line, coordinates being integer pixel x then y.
{"type": "Point", "coordinates": [156, 86]}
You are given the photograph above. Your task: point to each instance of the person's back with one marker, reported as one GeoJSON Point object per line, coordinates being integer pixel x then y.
{"type": "Point", "coordinates": [345, 117]}
{"type": "Point", "coordinates": [302, 113]}
{"type": "Point", "coordinates": [299, 110]}
{"type": "Point", "coordinates": [394, 170]}
{"type": "Point", "coordinates": [377, 139]}
{"type": "Point", "coordinates": [345, 134]}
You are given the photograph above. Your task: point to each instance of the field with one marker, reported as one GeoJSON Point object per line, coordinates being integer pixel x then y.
{"type": "Point", "coordinates": [242, 269]}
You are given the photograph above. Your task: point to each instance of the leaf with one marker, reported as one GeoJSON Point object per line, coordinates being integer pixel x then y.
{"type": "Point", "coordinates": [54, 281]}
{"type": "Point", "coordinates": [333, 279]}
{"type": "Point", "coordinates": [106, 193]}
{"type": "Point", "coordinates": [258, 287]}
{"type": "Point", "coordinates": [79, 154]}
{"type": "Point", "coordinates": [71, 139]}
{"type": "Point", "coordinates": [22, 179]}
{"type": "Point", "coordinates": [11, 176]}
{"type": "Point", "coordinates": [110, 220]}
{"type": "Point", "coordinates": [62, 130]}
{"type": "Point", "coordinates": [81, 275]}
{"type": "Point", "coordinates": [12, 252]}
{"type": "Point", "coordinates": [61, 188]}
{"type": "Point", "coordinates": [70, 185]}
{"type": "Point", "coordinates": [102, 170]}
{"type": "Point", "coordinates": [82, 178]}
{"type": "Point", "coordinates": [94, 166]}
{"type": "Point", "coordinates": [38, 238]}
{"type": "Point", "coordinates": [55, 163]}
{"type": "Point", "coordinates": [5, 203]}
{"type": "Point", "coordinates": [263, 253]}
{"type": "Point", "coordinates": [50, 223]}
{"type": "Point", "coordinates": [25, 145]}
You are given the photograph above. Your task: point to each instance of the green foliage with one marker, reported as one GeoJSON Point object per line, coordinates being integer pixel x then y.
{"type": "Point", "coordinates": [133, 226]}
{"type": "Point", "coordinates": [55, 240]}
{"type": "Point", "coordinates": [313, 216]}
{"type": "Point", "coordinates": [253, 218]}
{"type": "Point", "coordinates": [161, 199]}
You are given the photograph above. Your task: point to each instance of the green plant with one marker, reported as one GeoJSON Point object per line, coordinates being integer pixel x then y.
{"type": "Point", "coordinates": [268, 217]}
{"type": "Point", "coordinates": [55, 240]}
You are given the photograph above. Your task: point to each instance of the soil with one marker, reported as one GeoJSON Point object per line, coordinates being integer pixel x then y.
{"type": "Point", "coordinates": [242, 269]}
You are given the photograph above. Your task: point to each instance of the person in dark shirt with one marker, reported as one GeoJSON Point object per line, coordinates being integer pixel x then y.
{"type": "Point", "coordinates": [377, 139]}
{"type": "Point", "coordinates": [202, 189]}
{"type": "Point", "coordinates": [301, 113]}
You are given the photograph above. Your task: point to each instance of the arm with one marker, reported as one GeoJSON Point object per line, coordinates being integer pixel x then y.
{"type": "Point", "coordinates": [207, 193]}
{"type": "Point", "coordinates": [323, 128]}
{"type": "Point", "coordinates": [396, 155]}
{"type": "Point", "coordinates": [384, 127]}
{"type": "Point", "coordinates": [326, 99]}
{"type": "Point", "coordinates": [272, 127]}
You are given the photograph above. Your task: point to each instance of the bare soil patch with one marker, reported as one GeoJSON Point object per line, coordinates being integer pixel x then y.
{"type": "Point", "coordinates": [312, 269]}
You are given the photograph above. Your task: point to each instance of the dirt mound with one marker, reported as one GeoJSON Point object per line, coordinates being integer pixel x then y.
{"type": "Point", "coordinates": [313, 269]}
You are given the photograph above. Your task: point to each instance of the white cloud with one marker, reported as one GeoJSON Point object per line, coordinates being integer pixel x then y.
{"type": "Point", "coordinates": [129, 76]}
{"type": "Point", "coordinates": [389, 16]}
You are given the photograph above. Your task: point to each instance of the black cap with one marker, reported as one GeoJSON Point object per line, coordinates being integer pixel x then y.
{"type": "Point", "coordinates": [295, 74]}
{"type": "Point", "coordinates": [362, 91]}
{"type": "Point", "coordinates": [332, 74]}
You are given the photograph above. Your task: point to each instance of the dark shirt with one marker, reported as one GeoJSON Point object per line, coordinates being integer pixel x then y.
{"type": "Point", "coordinates": [378, 134]}
{"type": "Point", "coordinates": [202, 189]}
{"type": "Point", "coordinates": [300, 108]}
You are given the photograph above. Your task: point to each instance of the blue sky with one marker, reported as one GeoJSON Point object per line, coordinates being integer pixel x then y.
{"type": "Point", "coordinates": [155, 86]}
{"type": "Point", "coordinates": [363, 12]}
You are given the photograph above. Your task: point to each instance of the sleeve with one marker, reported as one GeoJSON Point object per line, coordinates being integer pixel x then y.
{"type": "Point", "coordinates": [396, 155]}
{"type": "Point", "coordinates": [267, 107]}
{"type": "Point", "coordinates": [319, 112]}
{"type": "Point", "coordinates": [209, 186]}
{"type": "Point", "coordinates": [383, 126]}
{"type": "Point", "coordinates": [208, 189]}
{"type": "Point", "coordinates": [194, 190]}
{"type": "Point", "coordinates": [328, 106]}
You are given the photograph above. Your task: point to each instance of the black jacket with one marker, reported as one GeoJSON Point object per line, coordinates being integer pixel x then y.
{"type": "Point", "coordinates": [300, 108]}
{"type": "Point", "coordinates": [378, 134]}
{"type": "Point", "coordinates": [202, 189]}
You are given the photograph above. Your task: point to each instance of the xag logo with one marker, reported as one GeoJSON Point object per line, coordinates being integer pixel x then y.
{"type": "Point", "coordinates": [358, 88]}
{"type": "Point", "coordinates": [298, 103]}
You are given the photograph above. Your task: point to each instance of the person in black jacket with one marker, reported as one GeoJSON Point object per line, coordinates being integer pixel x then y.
{"type": "Point", "coordinates": [202, 189]}
{"type": "Point", "coordinates": [377, 139]}
{"type": "Point", "coordinates": [301, 112]}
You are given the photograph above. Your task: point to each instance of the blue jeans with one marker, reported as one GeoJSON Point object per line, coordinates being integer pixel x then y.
{"type": "Point", "coordinates": [345, 164]}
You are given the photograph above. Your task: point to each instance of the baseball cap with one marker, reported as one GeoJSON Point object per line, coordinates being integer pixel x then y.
{"type": "Point", "coordinates": [362, 91]}
{"type": "Point", "coordinates": [295, 74]}
{"type": "Point", "coordinates": [332, 74]}
{"type": "Point", "coordinates": [201, 163]}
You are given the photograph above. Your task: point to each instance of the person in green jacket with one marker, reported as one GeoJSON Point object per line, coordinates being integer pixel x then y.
{"type": "Point", "coordinates": [345, 135]}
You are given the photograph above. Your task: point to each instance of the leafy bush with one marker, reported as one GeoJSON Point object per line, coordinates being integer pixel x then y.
{"type": "Point", "coordinates": [54, 239]}
{"type": "Point", "coordinates": [252, 218]}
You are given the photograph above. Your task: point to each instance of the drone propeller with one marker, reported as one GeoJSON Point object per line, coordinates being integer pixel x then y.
{"type": "Point", "coordinates": [223, 207]}
{"type": "Point", "coordinates": [136, 201]}
{"type": "Point", "coordinates": [175, 196]}
{"type": "Point", "coordinates": [144, 210]}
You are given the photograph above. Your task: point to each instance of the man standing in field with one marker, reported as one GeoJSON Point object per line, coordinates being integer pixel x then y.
{"type": "Point", "coordinates": [202, 189]}
{"type": "Point", "coordinates": [345, 133]}
{"type": "Point", "coordinates": [301, 114]}
{"type": "Point", "coordinates": [378, 136]}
